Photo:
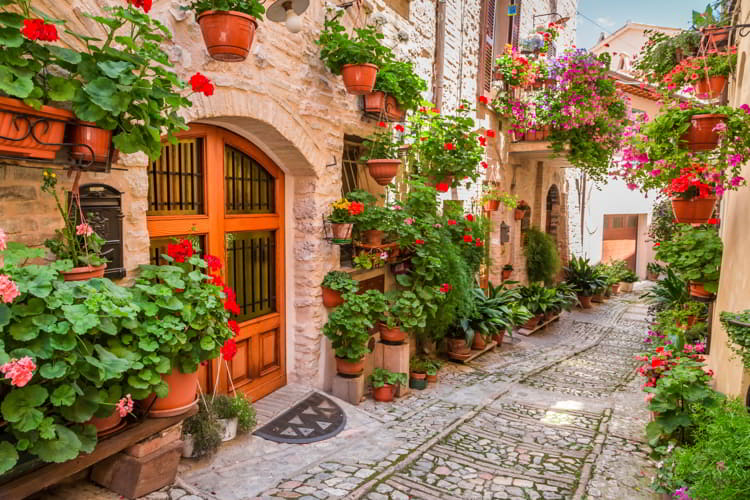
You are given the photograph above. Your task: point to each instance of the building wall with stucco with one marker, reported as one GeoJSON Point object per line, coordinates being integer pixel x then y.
{"type": "Point", "coordinates": [283, 100]}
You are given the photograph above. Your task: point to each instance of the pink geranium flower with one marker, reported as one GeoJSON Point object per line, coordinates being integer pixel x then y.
{"type": "Point", "coordinates": [408, 221]}
{"type": "Point", "coordinates": [84, 229]}
{"type": "Point", "coordinates": [3, 240]}
{"type": "Point", "coordinates": [8, 289]}
{"type": "Point", "coordinates": [19, 371]}
{"type": "Point", "coordinates": [124, 405]}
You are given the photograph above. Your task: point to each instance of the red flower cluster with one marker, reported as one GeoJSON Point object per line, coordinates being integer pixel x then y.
{"type": "Point", "coordinates": [399, 128]}
{"type": "Point", "coordinates": [490, 133]}
{"type": "Point", "coordinates": [200, 83]}
{"type": "Point", "coordinates": [356, 208]}
{"type": "Point", "coordinates": [180, 251]}
{"type": "Point", "coordinates": [713, 221]}
{"type": "Point", "coordinates": [213, 262]}
{"type": "Point", "coordinates": [381, 124]}
{"type": "Point", "coordinates": [693, 182]}
{"type": "Point", "coordinates": [448, 146]}
{"type": "Point", "coordinates": [37, 29]}
{"type": "Point", "coordinates": [229, 349]}
{"type": "Point", "coordinates": [470, 218]}
{"type": "Point", "coordinates": [482, 140]}
{"type": "Point", "coordinates": [443, 187]}
{"type": "Point", "coordinates": [419, 242]}
{"type": "Point", "coordinates": [451, 222]}
{"type": "Point", "coordinates": [446, 287]}
{"type": "Point", "coordinates": [232, 324]}
{"type": "Point", "coordinates": [468, 238]}
{"type": "Point", "coordinates": [142, 4]}
{"type": "Point", "coordinates": [484, 164]}
{"type": "Point", "coordinates": [483, 99]}
{"type": "Point", "coordinates": [479, 242]}
{"type": "Point", "coordinates": [230, 304]}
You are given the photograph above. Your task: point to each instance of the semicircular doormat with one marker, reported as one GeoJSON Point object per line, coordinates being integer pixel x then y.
{"type": "Point", "coordinates": [315, 418]}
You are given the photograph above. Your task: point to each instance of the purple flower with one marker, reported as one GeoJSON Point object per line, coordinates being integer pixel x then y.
{"type": "Point", "coordinates": [735, 160]}
{"type": "Point", "coordinates": [655, 172]}
{"type": "Point", "coordinates": [681, 494]}
{"type": "Point", "coordinates": [745, 108]}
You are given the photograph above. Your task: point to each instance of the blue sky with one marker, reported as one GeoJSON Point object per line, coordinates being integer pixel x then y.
{"type": "Point", "coordinates": [612, 14]}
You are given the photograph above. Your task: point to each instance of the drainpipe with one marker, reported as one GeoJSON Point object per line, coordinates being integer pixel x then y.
{"type": "Point", "coordinates": [437, 78]}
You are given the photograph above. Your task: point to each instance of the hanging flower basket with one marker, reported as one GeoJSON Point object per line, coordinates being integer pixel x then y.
{"type": "Point", "coordinates": [701, 135]}
{"type": "Point", "coordinates": [98, 139]}
{"type": "Point", "coordinates": [32, 133]}
{"type": "Point", "coordinates": [359, 79]}
{"type": "Point", "coordinates": [383, 170]}
{"type": "Point", "coordinates": [506, 273]}
{"type": "Point", "coordinates": [381, 104]}
{"type": "Point", "coordinates": [693, 211]}
{"type": "Point", "coordinates": [331, 298]}
{"type": "Point", "coordinates": [228, 35]}
{"type": "Point", "coordinates": [711, 87]}
{"type": "Point", "coordinates": [84, 273]}
{"type": "Point", "coordinates": [715, 35]}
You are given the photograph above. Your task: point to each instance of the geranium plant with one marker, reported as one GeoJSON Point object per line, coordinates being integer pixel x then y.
{"type": "Point", "coordinates": [344, 211]}
{"type": "Point", "coordinates": [386, 143]}
{"type": "Point", "coordinates": [338, 48]}
{"type": "Point", "coordinates": [694, 253]}
{"type": "Point", "coordinates": [404, 310]}
{"type": "Point", "coordinates": [549, 34]}
{"type": "Point", "coordinates": [691, 70]}
{"type": "Point", "coordinates": [400, 80]}
{"type": "Point", "coordinates": [511, 67]}
{"type": "Point", "coordinates": [339, 281]}
{"type": "Point", "coordinates": [693, 182]}
{"type": "Point", "coordinates": [251, 7]}
{"type": "Point", "coordinates": [349, 324]}
{"type": "Point", "coordinates": [495, 194]}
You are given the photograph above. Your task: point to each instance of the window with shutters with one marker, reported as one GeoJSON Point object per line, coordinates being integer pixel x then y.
{"type": "Point", "coordinates": [486, 47]}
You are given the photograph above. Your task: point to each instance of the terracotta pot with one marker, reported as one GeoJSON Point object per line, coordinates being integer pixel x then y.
{"type": "Point", "coordinates": [458, 346]}
{"type": "Point", "coordinates": [519, 214]}
{"type": "Point", "coordinates": [478, 344]}
{"type": "Point", "coordinates": [228, 35]}
{"type": "Point", "coordinates": [383, 105]}
{"type": "Point", "coordinates": [695, 211]}
{"type": "Point", "coordinates": [418, 375]}
{"type": "Point", "coordinates": [712, 87]}
{"type": "Point", "coordinates": [373, 237]}
{"type": "Point", "coordinates": [537, 135]}
{"type": "Point", "coordinates": [492, 205]}
{"type": "Point", "coordinates": [615, 289]}
{"type": "Point", "coordinates": [331, 298]}
{"type": "Point", "coordinates": [516, 136]}
{"type": "Point", "coordinates": [651, 276]}
{"type": "Point", "coordinates": [698, 290]}
{"type": "Point", "coordinates": [506, 273]}
{"type": "Point", "coordinates": [550, 83]}
{"type": "Point", "coordinates": [183, 391]}
{"type": "Point", "coordinates": [585, 301]}
{"type": "Point", "coordinates": [432, 379]}
{"type": "Point", "coordinates": [383, 394]}
{"type": "Point", "coordinates": [98, 139]}
{"type": "Point", "coordinates": [549, 315]}
{"type": "Point", "coordinates": [346, 367]}
{"type": "Point", "coordinates": [31, 129]}
{"type": "Point", "coordinates": [395, 335]}
{"type": "Point", "coordinates": [597, 297]}
{"type": "Point", "coordinates": [626, 287]}
{"type": "Point", "coordinates": [383, 170]}
{"type": "Point", "coordinates": [715, 35]}
{"type": "Point", "coordinates": [359, 79]}
{"type": "Point", "coordinates": [342, 233]}
{"type": "Point", "coordinates": [106, 425]}
{"type": "Point", "coordinates": [448, 179]}
{"type": "Point", "coordinates": [498, 337]}
{"type": "Point", "coordinates": [691, 321]}
{"type": "Point", "coordinates": [393, 109]}
{"type": "Point", "coordinates": [84, 273]}
{"type": "Point", "coordinates": [701, 136]}
{"type": "Point", "coordinates": [531, 324]}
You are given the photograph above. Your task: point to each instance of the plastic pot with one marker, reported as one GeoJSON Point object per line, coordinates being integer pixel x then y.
{"type": "Point", "coordinates": [694, 211]}
{"type": "Point", "coordinates": [359, 79]}
{"type": "Point", "coordinates": [712, 87]}
{"type": "Point", "coordinates": [228, 35]}
{"type": "Point", "coordinates": [98, 139]}
{"type": "Point", "coordinates": [84, 273]}
{"type": "Point", "coordinates": [228, 428]}
{"type": "Point", "coordinates": [383, 170]}
{"type": "Point", "coordinates": [432, 379]}
{"type": "Point", "coordinates": [342, 233]}
{"type": "Point", "coordinates": [381, 104]}
{"type": "Point", "coordinates": [698, 290]}
{"type": "Point", "coordinates": [182, 396]}
{"type": "Point", "coordinates": [701, 135]}
{"type": "Point", "coordinates": [331, 298]}
{"type": "Point", "coordinates": [418, 381]}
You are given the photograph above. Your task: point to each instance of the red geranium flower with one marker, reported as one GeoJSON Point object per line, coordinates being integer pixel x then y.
{"type": "Point", "coordinates": [200, 83]}
{"type": "Point", "coordinates": [656, 245]}
{"type": "Point", "coordinates": [483, 99]}
{"type": "Point", "coordinates": [446, 287]}
{"type": "Point", "coordinates": [479, 242]}
{"type": "Point", "coordinates": [468, 238]}
{"type": "Point", "coordinates": [217, 281]}
{"type": "Point", "coordinates": [448, 146]}
{"type": "Point", "coordinates": [356, 208]}
{"type": "Point", "coordinates": [180, 251]}
{"type": "Point", "coordinates": [419, 242]}
{"type": "Point", "coordinates": [232, 324]}
{"type": "Point", "coordinates": [435, 110]}
{"type": "Point", "coordinates": [143, 4]}
{"type": "Point", "coordinates": [37, 29]}
{"type": "Point", "coordinates": [229, 349]}
{"type": "Point", "coordinates": [213, 262]}
{"type": "Point", "coordinates": [451, 222]}
{"type": "Point", "coordinates": [443, 187]}
{"type": "Point", "coordinates": [399, 128]}
{"type": "Point", "coordinates": [490, 133]}
{"type": "Point", "coordinates": [482, 140]}
{"type": "Point", "coordinates": [470, 218]}
{"type": "Point", "coordinates": [713, 221]}
{"type": "Point", "coordinates": [484, 164]}
{"type": "Point", "coordinates": [381, 124]}
{"type": "Point", "coordinates": [230, 304]}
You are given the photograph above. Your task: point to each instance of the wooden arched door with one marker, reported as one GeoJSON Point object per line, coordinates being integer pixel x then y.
{"type": "Point", "coordinates": [218, 187]}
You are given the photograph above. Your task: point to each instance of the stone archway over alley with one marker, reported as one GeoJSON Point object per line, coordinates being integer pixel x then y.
{"type": "Point", "coordinates": [555, 415]}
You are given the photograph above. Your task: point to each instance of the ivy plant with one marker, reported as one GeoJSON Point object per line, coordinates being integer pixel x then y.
{"type": "Point", "coordinates": [736, 326]}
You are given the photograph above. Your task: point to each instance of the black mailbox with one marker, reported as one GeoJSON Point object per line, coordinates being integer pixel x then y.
{"type": "Point", "coordinates": [102, 206]}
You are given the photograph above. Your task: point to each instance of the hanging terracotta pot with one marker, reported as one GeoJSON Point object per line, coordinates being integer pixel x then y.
{"type": "Point", "coordinates": [359, 79]}
{"type": "Point", "coordinates": [84, 273]}
{"type": "Point", "coordinates": [701, 135]}
{"type": "Point", "coordinates": [383, 170]}
{"type": "Point", "coordinates": [98, 139]}
{"type": "Point", "coordinates": [393, 109]}
{"type": "Point", "coordinates": [383, 394]}
{"type": "Point", "coordinates": [228, 35]}
{"type": "Point", "coordinates": [29, 132]}
{"type": "Point", "coordinates": [711, 87]}
{"type": "Point", "coordinates": [346, 367]}
{"type": "Point", "coordinates": [715, 35]}
{"type": "Point", "coordinates": [383, 105]}
{"type": "Point", "coordinates": [585, 301]}
{"type": "Point", "coordinates": [492, 205]}
{"type": "Point", "coordinates": [694, 211]}
{"type": "Point", "coordinates": [182, 396]}
{"type": "Point", "coordinates": [331, 298]}
{"type": "Point", "coordinates": [698, 290]}
{"type": "Point", "coordinates": [531, 324]}
{"type": "Point", "coordinates": [373, 237]}
{"type": "Point", "coordinates": [342, 233]}
{"type": "Point", "coordinates": [506, 273]}
{"type": "Point", "coordinates": [478, 343]}
{"type": "Point", "coordinates": [391, 335]}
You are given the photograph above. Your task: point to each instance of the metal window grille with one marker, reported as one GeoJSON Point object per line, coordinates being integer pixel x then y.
{"type": "Point", "coordinates": [251, 271]}
{"type": "Point", "coordinates": [349, 170]}
{"type": "Point", "coordinates": [175, 180]}
{"type": "Point", "coordinates": [249, 188]}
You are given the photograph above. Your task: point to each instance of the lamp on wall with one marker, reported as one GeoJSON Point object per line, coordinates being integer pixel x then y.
{"type": "Point", "coordinates": [288, 12]}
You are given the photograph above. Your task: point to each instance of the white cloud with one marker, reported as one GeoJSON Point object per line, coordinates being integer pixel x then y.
{"type": "Point", "coordinates": [605, 21]}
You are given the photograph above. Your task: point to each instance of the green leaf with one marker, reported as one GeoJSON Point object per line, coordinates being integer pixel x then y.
{"type": "Point", "coordinates": [87, 435]}
{"type": "Point", "coordinates": [47, 428]}
{"type": "Point", "coordinates": [65, 447]}
{"type": "Point", "coordinates": [20, 407]}
{"type": "Point", "coordinates": [207, 343]}
{"type": "Point", "coordinates": [63, 396]}
{"type": "Point", "coordinates": [61, 89]}
{"type": "Point", "coordinates": [84, 406]}
{"type": "Point", "coordinates": [24, 330]}
{"type": "Point", "coordinates": [33, 307]}
{"type": "Point", "coordinates": [4, 315]}
{"type": "Point", "coordinates": [8, 456]}
{"type": "Point", "coordinates": [108, 365]}
{"type": "Point", "coordinates": [11, 37]}
{"type": "Point", "coordinates": [65, 54]}
{"type": "Point", "coordinates": [55, 369]}
{"type": "Point", "coordinates": [114, 69]}
{"type": "Point", "coordinates": [80, 317]}
{"type": "Point", "coordinates": [11, 18]}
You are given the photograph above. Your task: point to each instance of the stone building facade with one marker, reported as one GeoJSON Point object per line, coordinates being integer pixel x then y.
{"type": "Point", "coordinates": [291, 111]}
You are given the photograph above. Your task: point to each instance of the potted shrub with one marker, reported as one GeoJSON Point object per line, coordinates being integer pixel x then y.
{"type": "Point", "coordinates": [627, 281]}
{"type": "Point", "coordinates": [76, 242]}
{"type": "Point", "coordinates": [384, 384]}
{"type": "Point", "coordinates": [381, 153]}
{"type": "Point", "coordinates": [585, 279]}
{"type": "Point", "coordinates": [348, 329]}
{"type": "Point", "coordinates": [201, 433]}
{"type": "Point", "coordinates": [334, 285]}
{"type": "Point", "coordinates": [507, 271]}
{"type": "Point", "coordinates": [404, 313]}
{"type": "Point", "coordinates": [695, 254]}
{"type": "Point", "coordinates": [374, 222]}
{"type": "Point", "coordinates": [493, 197]}
{"type": "Point", "coordinates": [537, 300]}
{"type": "Point", "coordinates": [542, 259]}
{"type": "Point", "coordinates": [343, 213]}
{"type": "Point", "coordinates": [653, 270]}
{"type": "Point", "coordinates": [521, 210]}
{"type": "Point", "coordinates": [397, 89]}
{"type": "Point", "coordinates": [235, 414]}
{"type": "Point", "coordinates": [356, 58]}
{"type": "Point", "coordinates": [163, 292]}
{"type": "Point", "coordinates": [228, 26]}
{"type": "Point", "coordinates": [418, 375]}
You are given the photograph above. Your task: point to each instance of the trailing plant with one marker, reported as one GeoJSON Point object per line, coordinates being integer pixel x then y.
{"type": "Point", "coordinates": [383, 144]}
{"type": "Point", "coordinates": [339, 281]}
{"type": "Point", "coordinates": [658, 55]}
{"type": "Point", "coordinates": [584, 278]}
{"type": "Point", "coordinates": [237, 406]}
{"type": "Point", "coordinates": [400, 80]}
{"type": "Point", "coordinates": [663, 225]}
{"type": "Point", "coordinates": [205, 430]}
{"type": "Point", "coordinates": [348, 326]}
{"type": "Point", "coordinates": [338, 48]}
{"type": "Point", "coordinates": [76, 242]}
{"type": "Point", "coordinates": [495, 194]}
{"type": "Point", "coordinates": [542, 259]}
{"type": "Point", "coordinates": [250, 7]}
{"type": "Point", "coordinates": [381, 377]}
{"type": "Point", "coordinates": [695, 254]}
{"type": "Point", "coordinates": [738, 333]}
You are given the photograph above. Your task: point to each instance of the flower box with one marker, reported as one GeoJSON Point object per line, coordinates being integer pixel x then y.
{"type": "Point", "coordinates": [27, 132]}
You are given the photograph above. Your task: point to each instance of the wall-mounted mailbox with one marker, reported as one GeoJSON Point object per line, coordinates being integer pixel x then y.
{"type": "Point", "coordinates": [102, 206]}
{"type": "Point", "coordinates": [504, 233]}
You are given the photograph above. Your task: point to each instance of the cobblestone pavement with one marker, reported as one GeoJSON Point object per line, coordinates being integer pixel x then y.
{"type": "Point", "coordinates": [556, 415]}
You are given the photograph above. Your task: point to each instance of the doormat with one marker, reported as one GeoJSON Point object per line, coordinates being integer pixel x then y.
{"type": "Point", "coordinates": [315, 418]}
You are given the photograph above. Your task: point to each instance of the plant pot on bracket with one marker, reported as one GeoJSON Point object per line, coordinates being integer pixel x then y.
{"type": "Point", "coordinates": [359, 79]}
{"type": "Point", "coordinates": [31, 133]}
{"type": "Point", "coordinates": [331, 298]}
{"type": "Point", "coordinates": [698, 290]}
{"type": "Point", "coordinates": [98, 139]}
{"type": "Point", "coordinates": [701, 136]}
{"type": "Point", "coordinates": [715, 35]}
{"type": "Point", "coordinates": [381, 104]}
{"type": "Point", "coordinates": [342, 233]}
{"type": "Point", "coordinates": [383, 170]}
{"type": "Point", "coordinates": [506, 273]}
{"type": "Point", "coordinates": [182, 396]}
{"type": "Point", "coordinates": [84, 273]}
{"type": "Point", "coordinates": [492, 205]}
{"type": "Point", "coordinates": [712, 87]}
{"type": "Point", "coordinates": [693, 211]}
{"type": "Point", "coordinates": [228, 35]}
{"type": "Point", "coordinates": [373, 237]}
